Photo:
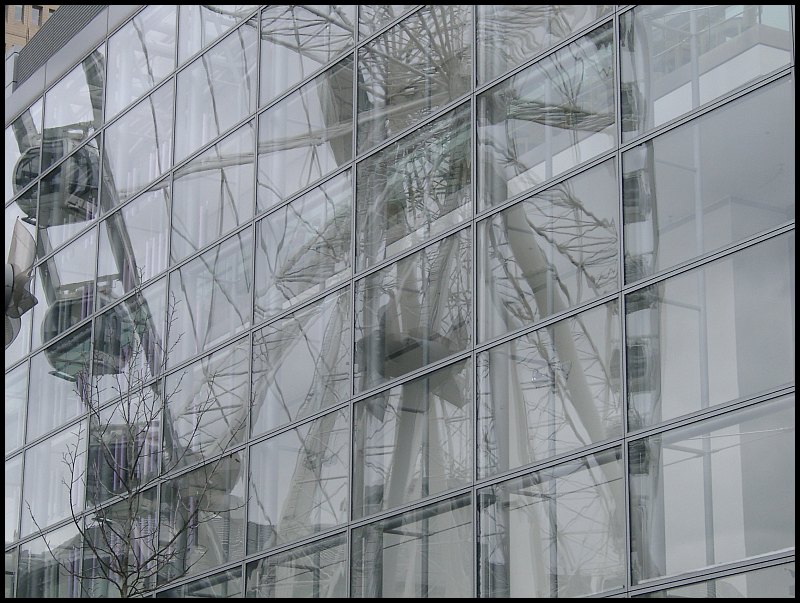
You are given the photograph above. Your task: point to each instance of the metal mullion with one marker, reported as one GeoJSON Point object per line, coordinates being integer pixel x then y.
{"type": "Point", "coordinates": [294, 544]}
{"type": "Point", "coordinates": [303, 305]}
{"type": "Point", "coordinates": [298, 423]}
{"type": "Point", "coordinates": [385, 28]}
{"type": "Point", "coordinates": [473, 400]}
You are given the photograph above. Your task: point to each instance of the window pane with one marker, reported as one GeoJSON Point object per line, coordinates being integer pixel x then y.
{"type": "Point", "coordinates": [306, 135]}
{"type": "Point", "coordinates": [224, 585]}
{"type": "Point", "coordinates": [138, 147]}
{"type": "Point", "coordinates": [547, 119]}
{"type": "Point", "coordinates": [372, 17]}
{"type": "Point", "coordinates": [304, 247]}
{"type": "Point", "coordinates": [551, 391]}
{"type": "Point", "coordinates": [41, 576]}
{"type": "Point", "coordinates": [74, 108]}
{"type": "Point", "coordinates": [414, 312]}
{"type": "Point", "coordinates": [700, 494]}
{"type": "Point", "coordinates": [201, 24]}
{"type": "Point", "coordinates": [210, 298]}
{"type": "Point", "coordinates": [423, 553]}
{"type": "Point", "coordinates": [409, 72]}
{"type": "Point", "coordinates": [777, 582]}
{"type": "Point", "coordinates": [45, 496]}
{"type": "Point", "coordinates": [217, 90]}
{"type": "Point", "coordinates": [413, 440]}
{"type": "Point", "coordinates": [510, 35]}
{"type": "Point", "coordinates": [549, 253]}
{"type": "Point", "coordinates": [13, 498]}
{"type": "Point", "coordinates": [207, 405]}
{"type": "Point", "coordinates": [559, 532]}
{"type": "Point", "coordinates": [676, 57]}
{"type": "Point", "coordinates": [11, 572]}
{"type": "Point", "coordinates": [317, 570]}
{"type": "Point", "coordinates": [23, 147]}
{"type": "Point", "coordinates": [140, 55]}
{"type": "Point", "coordinates": [705, 185]}
{"type": "Point", "coordinates": [202, 518]}
{"type": "Point", "coordinates": [133, 245]}
{"type": "Point", "coordinates": [702, 338]}
{"type": "Point", "coordinates": [213, 193]}
{"type": "Point", "coordinates": [301, 363]}
{"type": "Point", "coordinates": [414, 189]}
{"type": "Point", "coordinates": [16, 397]}
{"type": "Point", "coordinates": [298, 482]}
{"type": "Point", "coordinates": [60, 386]}
{"type": "Point", "coordinates": [297, 40]}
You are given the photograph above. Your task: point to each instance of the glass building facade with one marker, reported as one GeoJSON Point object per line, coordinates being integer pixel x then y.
{"type": "Point", "coordinates": [405, 301]}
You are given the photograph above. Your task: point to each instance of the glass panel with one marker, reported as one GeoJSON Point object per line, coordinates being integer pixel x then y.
{"type": "Point", "coordinates": [214, 193]}
{"type": "Point", "coordinates": [676, 57]}
{"type": "Point", "coordinates": [414, 312]}
{"type": "Point", "coordinates": [65, 289]}
{"type": "Point", "coordinates": [217, 90]}
{"type": "Point", "coordinates": [74, 108]}
{"type": "Point", "coordinates": [41, 576]}
{"type": "Point", "coordinates": [413, 440]}
{"type": "Point", "coordinates": [423, 553]}
{"type": "Point", "coordinates": [414, 189]}
{"type": "Point", "coordinates": [200, 24]}
{"type": "Point", "coordinates": [415, 68]}
{"type": "Point", "coordinates": [297, 40]}
{"type": "Point", "coordinates": [11, 572]}
{"type": "Point", "coordinates": [16, 397]}
{"type": "Point", "coordinates": [133, 245]}
{"type": "Point", "coordinates": [224, 585]}
{"type": "Point", "coordinates": [20, 333]}
{"type": "Point", "coordinates": [202, 518]}
{"type": "Point", "coordinates": [298, 482]}
{"type": "Point", "coordinates": [304, 247]}
{"type": "Point", "coordinates": [13, 498]}
{"type": "Point", "coordinates": [372, 17]}
{"type": "Point", "coordinates": [306, 135]}
{"type": "Point", "coordinates": [700, 494]}
{"type": "Point", "coordinates": [547, 119]}
{"type": "Point", "coordinates": [702, 338]}
{"type": "Point", "coordinates": [69, 197]}
{"type": "Point", "coordinates": [138, 147]}
{"type": "Point", "coordinates": [559, 532]}
{"type": "Point", "coordinates": [705, 185]}
{"type": "Point", "coordinates": [301, 363]}
{"type": "Point", "coordinates": [20, 254]}
{"type": "Point", "coordinates": [510, 35]}
{"type": "Point", "coordinates": [551, 391]}
{"type": "Point", "coordinates": [317, 571]}
{"type": "Point", "coordinates": [207, 405]}
{"type": "Point", "coordinates": [120, 549]}
{"type": "Point", "coordinates": [140, 55]}
{"type": "Point", "coordinates": [777, 582]}
{"type": "Point", "coordinates": [59, 383]}
{"type": "Point", "coordinates": [549, 253]}
{"type": "Point", "coordinates": [210, 297]}
{"type": "Point", "coordinates": [23, 147]}
{"type": "Point", "coordinates": [46, 496]}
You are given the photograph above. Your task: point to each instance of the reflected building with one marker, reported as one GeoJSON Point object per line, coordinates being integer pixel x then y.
{"type": "Point", "coordinates": [402, 301]}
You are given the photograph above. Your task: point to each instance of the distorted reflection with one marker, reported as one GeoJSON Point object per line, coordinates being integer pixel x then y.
{"type": "Point", "coordinates": [23, 146]}
{"type": "Point", "coordinates": [200, 24]}
{"type": "Point", "coordinates": [372, 17]}
{"type": "Point", "coordinates": [224, 585]}
{"type": "Point", "coordinates": [43, 576]}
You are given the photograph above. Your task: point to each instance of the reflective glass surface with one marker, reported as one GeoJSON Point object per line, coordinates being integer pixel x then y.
{"type": "Point", "coordinates": [217, 90]}
{"type": "Point", "coordinates": [551, 391]}
{"type": "Point", "coordinates": [414, 189]}
{"type": "Point", "coordinates": [40, 575]}
{"type": "Point", "coordinates": [13, 498]}
{"type": "Point", "coordinates": [213, 193]}
{"type": "Point", "coordinates": [372, 17]}
{"type": "Point", "coordinates": [705, 185]}
{"type": "Point", "coordinates": [22, 149]}
{"type": "Point", "coordinates": [11, 573]}
{"type": "Point", "coordinates": [303, 248]}
{"type": "Point", "coordinates": [554, 533]}
{"type": "Point", "coordinates": [413, 440]}
{"type": "Point", "coordinates": [548, 253]}
{"type": "Point", "coordinates": [16, 397]}
{"type": "Point", "coordinates": [703, 338]}
{"type": "Point", "coordinates": [677, 57]}
{"type": "Point", "coordinates": [548, 118]}
{"type": "Point", "coordinates": [413, 69]}
{"type": "Point", "coordinates": [201, 24]}
{"type": "Point", "coordinates": [298, 482]}
{"type": "Point", "coordinates": [140, 55]}
{"type": "Point", "coordinates": [700, 494]}
{"type": "Point", "coordinates": [306, 135]}
{"type": "Point", "coordinates": [776, 582]}
{"type": "Point", "coordinates": [423, 553]}
{"type": "Point", "coordinates": [301, 363]}
{"type": "Point", "coordinates": [296, 40]}
{"type": "Point", "coordinates": [414, 312]}
{"type": "Point", "coordinates": [225, 585]}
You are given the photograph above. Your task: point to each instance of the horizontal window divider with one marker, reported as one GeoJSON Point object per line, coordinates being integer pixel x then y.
{"type": "Point", "coordinates": [178, 472]}
{"type": "Point", "coordinates": [371, 37]}
{"type": "Point", "coordinates": [184, 364]}
{"type": "Point", "coordinates": [217, 242]}
{"type": "Point", "coordinates": [295, 544]}
{"type": "Point", "coordinates": [186, 580]}
{"type": "Point", "coordinates": [35, 349]}
{"type": "Point", "coordinates": [303, 305]}
{"type": "Point", "coordinates": [297, 423]}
